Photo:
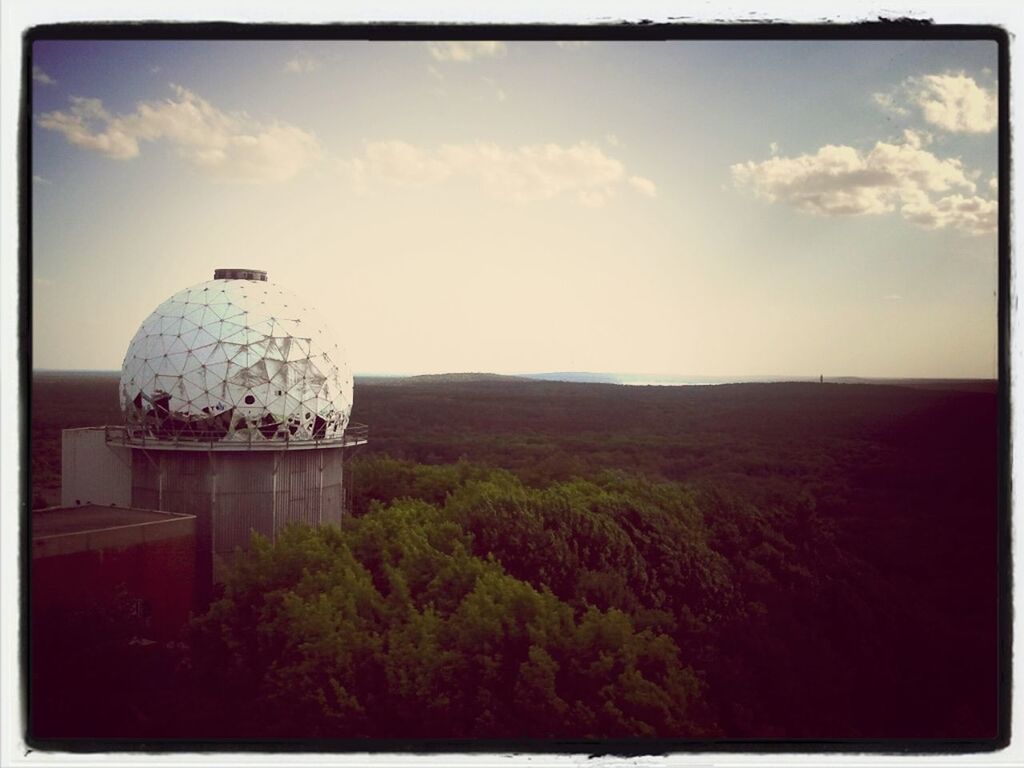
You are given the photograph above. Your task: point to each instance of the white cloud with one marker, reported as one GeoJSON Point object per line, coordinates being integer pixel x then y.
{"type": "Point", "coordinates": [116, 140]}
{"type": "Point", "coordinates": [774, 148]}
{"type": "Point", "coordinates": [893, 297]}
{"type": "Point", "coordinates": [301, 65]}
{"type": "Point", "coordinates": [917, 139]}
{"type": "Point", "coordinates": [41, 77]}
{"type": "Point", "coordinates": [993, 183]}
{"type": "Point", "coordinates": [466, 50]}
{"type": "Point", "coordinates": [572, 45]}
{"type": "Point", "coordinates": [643, 186]}
{"type": "Point", "coordinates": [154, 70]}
{"type": "Point", "coordinates": [229, 147]}
{"type": "Point", "coordinates": [612, 139]}
{"type": "Point", "coordinates": [888, 103]}
{"type": "Point", "coordinates": [40, 180]}
{"type": "Point", "coordinates": [970, 213]}
{"type": "Point", "coordinates": [841, 180]}
{"type": "Point", "coordinates": [521, 174]}
{"type": "Point", "coordinates": [953, 102]}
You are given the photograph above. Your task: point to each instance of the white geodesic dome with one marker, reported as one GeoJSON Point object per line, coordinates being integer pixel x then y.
{"type": "Point", "coordinates": [236, 360]}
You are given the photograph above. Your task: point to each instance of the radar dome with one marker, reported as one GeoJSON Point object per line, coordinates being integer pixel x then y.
{"type": "Point", "coordinates": [236, 360]}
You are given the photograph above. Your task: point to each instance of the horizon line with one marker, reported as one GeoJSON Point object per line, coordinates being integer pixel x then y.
{"type": "Point", "coordinates": [527, 374]}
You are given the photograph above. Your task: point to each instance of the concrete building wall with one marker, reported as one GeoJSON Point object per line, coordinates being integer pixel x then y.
{"type": "Point", "coordinates": [149, 563]}
{"type": "Point", "coordinates": [233, 494]}
{"type": "Point", "coordinates": [243, 500]}
{"type": "Point", "coordinates": [108, 587]}
{"type": "Point", "coordinates": [93, 472]}
{"type": "Point", "coordinates": [334, 494]}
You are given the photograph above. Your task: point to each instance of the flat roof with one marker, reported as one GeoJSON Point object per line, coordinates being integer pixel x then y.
{"type": "Point", "coordinates": [60, 521]}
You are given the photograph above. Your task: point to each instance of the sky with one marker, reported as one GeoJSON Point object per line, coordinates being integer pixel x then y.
{"type": "Point", "coordinates": [703, 208]}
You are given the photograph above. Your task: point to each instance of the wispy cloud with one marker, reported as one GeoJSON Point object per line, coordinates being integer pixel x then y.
{"type": "Point", "coordinates": [888, 102]}
{"type": "Point", "coordinates": [466, 50]}
{"type": "Point", "coordinates": [40, 180]}
{"type": "Point", "coordinates": [572, 45]}
{"type": "Point", "coordinates": [230, 147]}
{"type": "Point", "coordinates": [953, 102]}
{"type": "Point", "coordinates": [643, 186]}
{"type": "Point", "coordinates": [522, 174]}
{"type": "Point", "coordinates": [499, 92]}
{"type": "Point", "coordinates": [41, 77]}
{"type": "Point", "coordinates": [301, 65]}
{"type": "Point", "coordinates": [892, 176]}
{"type": "Point", "coordinates": [117, 140]}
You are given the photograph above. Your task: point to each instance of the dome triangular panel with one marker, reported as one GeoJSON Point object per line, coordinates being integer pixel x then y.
{"type": "Point", "coordinates": [237, 344]}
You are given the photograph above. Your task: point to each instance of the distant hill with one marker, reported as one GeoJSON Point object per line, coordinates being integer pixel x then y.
{"type": "Point", "coordinates": [639, 379]}
{"type": "Point", "coordinates": [581, 377]}
{"type": "Point", "coordinates": [589, 377]}
{"type": "Point", "coordinates": [452, 378]}
{"type": "Point", "coordinates": [961, 385]}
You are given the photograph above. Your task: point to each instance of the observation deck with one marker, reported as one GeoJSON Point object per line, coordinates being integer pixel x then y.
{"type": "Point", "coordinates": [130, 436]}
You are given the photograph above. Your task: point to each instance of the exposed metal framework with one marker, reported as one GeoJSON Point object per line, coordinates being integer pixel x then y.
{"type": "Point", "coordinates": [236, 361]}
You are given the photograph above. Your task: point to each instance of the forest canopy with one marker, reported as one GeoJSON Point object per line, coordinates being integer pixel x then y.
{"type": "Point", "coordinates": [527, 560]}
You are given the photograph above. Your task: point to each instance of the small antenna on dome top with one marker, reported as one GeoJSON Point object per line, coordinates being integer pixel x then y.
{"type": "Point", "coordinates": [240, 274]}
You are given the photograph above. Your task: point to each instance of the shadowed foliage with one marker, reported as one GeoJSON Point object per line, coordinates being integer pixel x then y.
{"type": "Point", "coordinates": [580, 560]}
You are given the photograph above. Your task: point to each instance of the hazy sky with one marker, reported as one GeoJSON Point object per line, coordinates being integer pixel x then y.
{"type": "Point", "coordinates": [702, 208]}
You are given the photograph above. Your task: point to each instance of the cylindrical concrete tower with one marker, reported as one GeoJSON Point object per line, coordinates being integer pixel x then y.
{"type": "Point", "coordinates": [236, 400]}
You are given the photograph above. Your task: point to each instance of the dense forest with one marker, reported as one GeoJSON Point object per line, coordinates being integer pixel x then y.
{"type": "Point", "coordinates": [555, 560]}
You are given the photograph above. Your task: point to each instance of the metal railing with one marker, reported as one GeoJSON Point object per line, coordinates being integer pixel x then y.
{"type": "Point", "coordinates": [133, 436]}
